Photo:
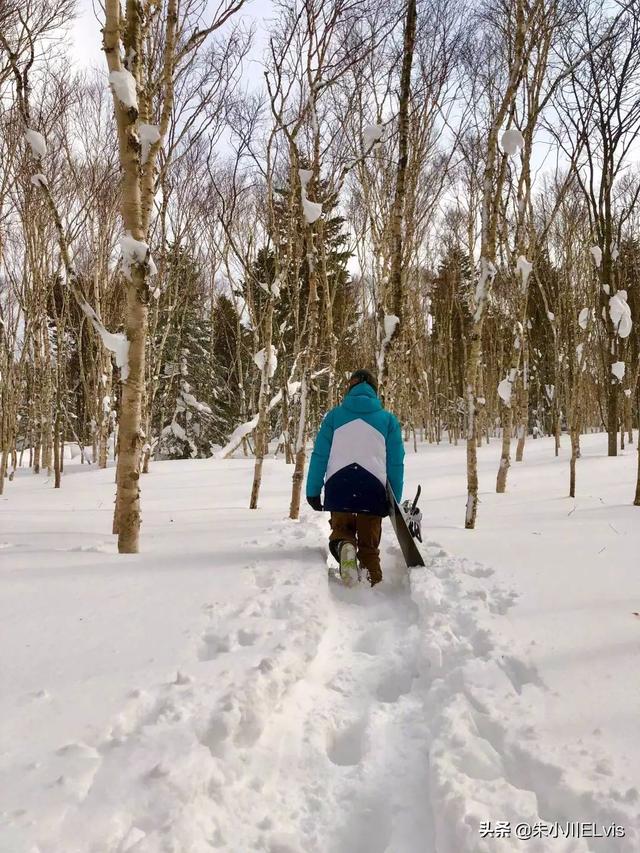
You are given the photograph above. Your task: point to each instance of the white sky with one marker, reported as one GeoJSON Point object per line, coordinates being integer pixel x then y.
{"type": "Point", "coordinates": [86, 50]}
{"type": "Point", "coordinates": [86, 38]}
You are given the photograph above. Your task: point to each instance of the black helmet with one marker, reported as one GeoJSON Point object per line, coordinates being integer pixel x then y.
{"type": "Point", "coordinates": [359, 376]}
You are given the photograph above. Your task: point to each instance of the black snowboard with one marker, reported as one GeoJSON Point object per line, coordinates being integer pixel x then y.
{"type": "Point", "coordinates": [410, 552]}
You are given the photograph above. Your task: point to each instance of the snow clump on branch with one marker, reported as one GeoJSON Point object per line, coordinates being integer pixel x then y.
{"type": "Point", "coordinates": [596, 252]}
{"type": "Point", "coordinates": [524, 267]}
{"type": "Point", "coordinates": [36, 142]}
{"type": "Point", "coordinates": [276, 284]}
{"type": "Point", "coordinates": [312, 209]}
{"type": "Point", "coordinates": [135, 252]}
{"type": "Point", "coordinates": [485, 280]}
{"type": "Point", "coordinates": [620, 314]}
{"type": "Point", "coordinates": [584, 317]}
{"type": "Point", "coordinates": [259, 358]}
{"type": "Point", "coordinates": [39, 180]}
{"type": "Point", "coordinates": [506, 387]}
{"type": "Point", "coordinates": [371, 134]}
{"type": "Point", "coordinates": [191, 401]}
{"type": "Point", "coordinates": [390, 322]}
{"type": "Point", "coordinates": [116, 342]}
{"type": "Point", "coordinates": [124, 86]}
{"type": "Point", "coordinates": [618, 370]}
{"type": "Point", "coordinates": [512, 141]}
{"type": "Point", "coordinates": [149, 134]}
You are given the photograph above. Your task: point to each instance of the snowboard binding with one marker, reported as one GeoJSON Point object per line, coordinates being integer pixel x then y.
{"type": "Point", "coordinates": [413, 516]}
{"type": "Point", "coordinates": [349, 569]}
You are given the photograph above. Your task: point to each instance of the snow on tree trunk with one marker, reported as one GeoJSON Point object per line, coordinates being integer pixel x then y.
{"type": "Point", "coordinates": [309, 355]}
{"type": "Point", "coordinates": [299, 454]}
{"type": "Point", "coordinates": [523, 407]}
{"type": "Point", "coordinates": [492, 186]}
{"type": "Point", "coordinates": [487, 273]}
{"type": "Point", "coordinates": [124, 84]}
{"type": "Point", "coordinates": [396, 277]}
{"type": "Point", "coordinates": [262, 437]}
{"type": "Point", "coordinates": [308, 362]}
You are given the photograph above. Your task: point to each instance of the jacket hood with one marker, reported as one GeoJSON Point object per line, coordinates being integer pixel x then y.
{"type": "Point", "coordinates": [362, 400]}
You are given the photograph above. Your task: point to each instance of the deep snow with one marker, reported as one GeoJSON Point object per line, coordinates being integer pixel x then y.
{"type": "Point", "coordinates": [217, 692]}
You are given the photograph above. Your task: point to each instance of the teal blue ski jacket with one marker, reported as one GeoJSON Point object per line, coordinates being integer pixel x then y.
{"type": "Point", "coordinates": [358, 448]}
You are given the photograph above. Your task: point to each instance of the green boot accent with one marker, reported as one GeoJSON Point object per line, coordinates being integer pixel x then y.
{"type": "Point", "coordinates": [348, 564]}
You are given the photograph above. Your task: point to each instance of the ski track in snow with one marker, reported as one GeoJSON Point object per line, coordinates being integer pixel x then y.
{"type": "Point", "coordinates": [389, 720]}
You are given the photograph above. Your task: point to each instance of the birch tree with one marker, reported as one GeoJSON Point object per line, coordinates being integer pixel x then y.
{"type": "Point", "coordinates": [600, 113]}
{"type": "Point", "coordinates": [391, 316]}
{"type": "Point", "coordinates": [142, 114]}
{"type": "Point", "coordinates": [500, 99]}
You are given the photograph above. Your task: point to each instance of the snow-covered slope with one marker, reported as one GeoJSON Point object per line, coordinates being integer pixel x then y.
{"type": "Point", "coordinates": [217, 692]}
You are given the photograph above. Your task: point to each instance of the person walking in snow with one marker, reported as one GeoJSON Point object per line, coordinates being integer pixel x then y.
{"type": "Point", "coordinates": [358, 448]}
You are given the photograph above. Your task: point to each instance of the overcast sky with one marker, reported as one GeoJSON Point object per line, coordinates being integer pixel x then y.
{"type": "Point", "coordinates": [87, 38]}
{"type": "Point", "coordinates": [87, 51]}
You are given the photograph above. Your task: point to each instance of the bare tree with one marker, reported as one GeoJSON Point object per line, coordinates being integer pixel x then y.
{"type": "Point", "coordinates": [599, 112]}
{"type": "Point", "coordinates": [500, 77]}
{"type": "Point", "coordinates": [142, 96]}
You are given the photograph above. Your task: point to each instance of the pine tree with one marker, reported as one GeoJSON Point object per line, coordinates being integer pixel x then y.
{"type": "Point", "coordinates": [185, 415]}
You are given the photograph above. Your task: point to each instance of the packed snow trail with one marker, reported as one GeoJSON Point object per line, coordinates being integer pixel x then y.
{"type": "Point", "coordinates": [168, 771]}
{"type": "Point", "coordinates": [344, 764]}
{"type": "Point", "coordinates": [295, 728]}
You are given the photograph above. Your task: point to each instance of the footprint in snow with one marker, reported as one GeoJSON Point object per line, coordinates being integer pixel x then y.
{"type": "Point", "coordinates": [501, 601]}
{"type": "Point", "coordinates": [478, 570]}
{"type": "Point", "coordinates": [78, 749]}
{"type": "Point", "coordinates": [368, 643]}
{"type": "Point", "coordinates": [213, 645]}
{"type": "Point", "coordinates": [281, 608]}
{"type": "Point", "coordinates": [368, 828]}
{"type": "Point", "coordinates": [182, 679]}
{"type": "Point", "coordinates": [435, 550]}
{"type": "Point", "coordinates": [101, 548]}
{"type": "Point", "coordinates": [217, 731]}
{"type": "Point", "coordinates": [41, 694]}
{"type": "Point", "coordinates": [346, 746]}
{"type": "Point", "coordinates": [520, 673]}
{"type": "Point", "coordinates": [247, 638]}
{"type": "Point", "coordinates": [263, 580]}
{"type": "Point", "coordinates": [395, 684]}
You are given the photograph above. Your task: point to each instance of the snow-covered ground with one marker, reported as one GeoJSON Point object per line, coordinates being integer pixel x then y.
{"type": "Point", "coordinates": [217, 692]}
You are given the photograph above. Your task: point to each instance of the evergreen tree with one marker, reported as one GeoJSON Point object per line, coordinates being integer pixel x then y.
{"type": "Point", "coordinates": [185, 414]}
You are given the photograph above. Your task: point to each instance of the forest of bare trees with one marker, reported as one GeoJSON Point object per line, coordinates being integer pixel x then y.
{"type": "Point", "coordinates": [201, 238]}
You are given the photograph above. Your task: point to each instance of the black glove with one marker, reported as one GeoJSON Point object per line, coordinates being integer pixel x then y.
{"type": "Point", "coordinates": [315, 502]}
